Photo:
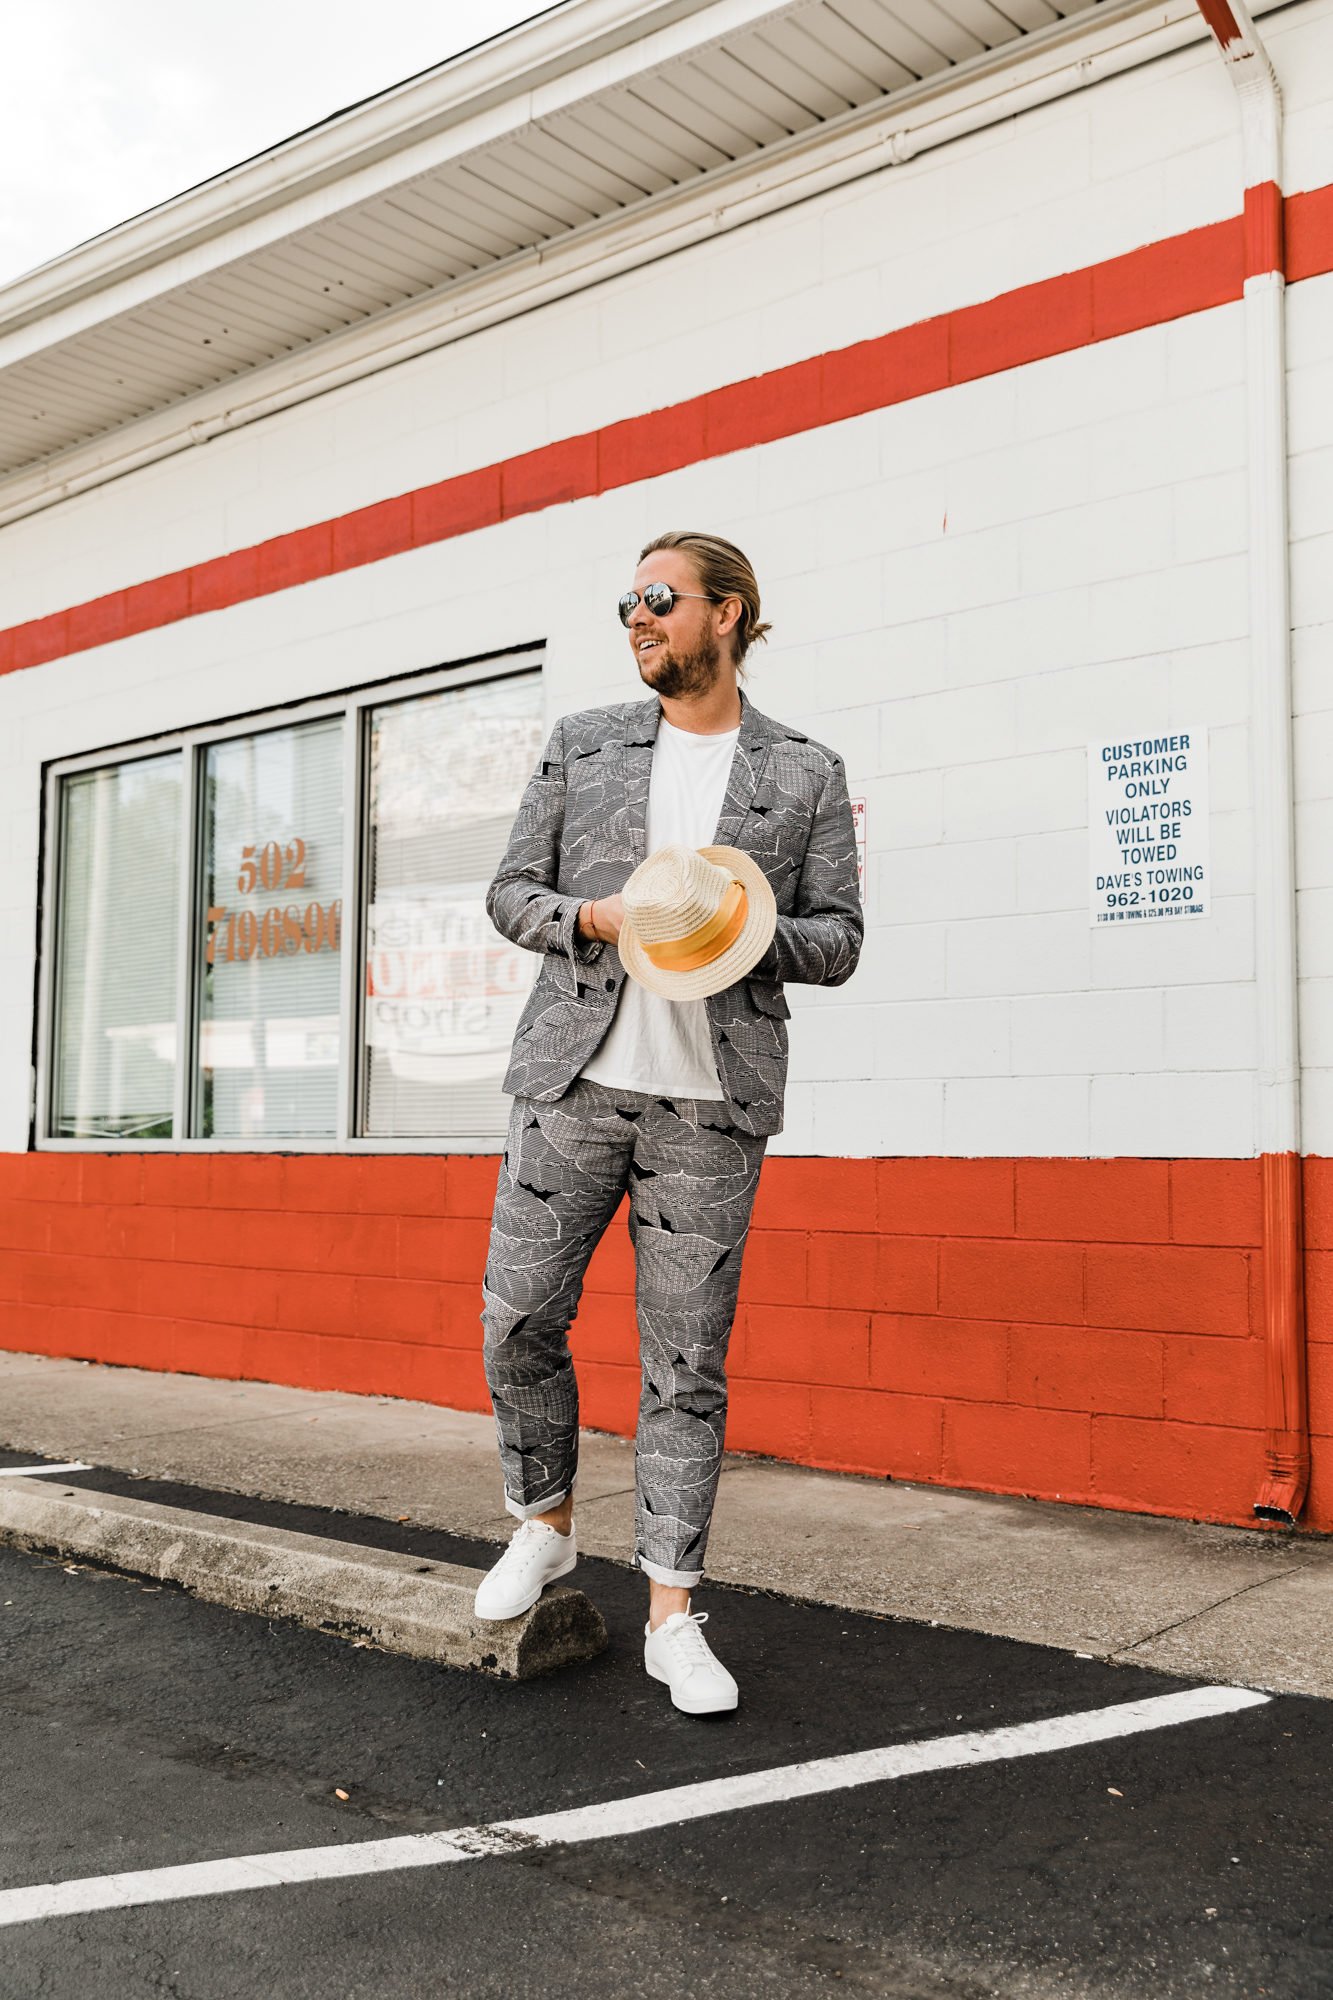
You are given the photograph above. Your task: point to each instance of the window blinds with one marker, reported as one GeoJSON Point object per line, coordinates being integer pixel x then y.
{"type": "Point", "coordinates": [269, 936]}
{"type": "Point", "coordinates": [117, 940]}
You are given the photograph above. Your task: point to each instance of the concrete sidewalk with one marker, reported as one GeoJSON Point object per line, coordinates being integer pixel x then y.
{"type": "Point", "coordinates": [1229, 1604]}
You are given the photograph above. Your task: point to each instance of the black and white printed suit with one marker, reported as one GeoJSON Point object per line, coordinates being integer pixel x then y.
{"type": "Point", "coordinates": [690, 1167]}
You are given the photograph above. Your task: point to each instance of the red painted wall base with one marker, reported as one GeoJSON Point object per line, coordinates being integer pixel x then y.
{"type": "Point", "coordinates": [1084, 1330]}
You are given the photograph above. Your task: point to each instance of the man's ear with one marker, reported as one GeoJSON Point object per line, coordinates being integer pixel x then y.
{"type": "Point", "coordinates": [731, 609]}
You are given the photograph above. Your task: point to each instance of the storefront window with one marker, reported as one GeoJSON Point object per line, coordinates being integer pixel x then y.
{"type": "Point", "coordinates": [117, 944]}
{"type": "Point", "coordinates": [271, 934]}
{"type": "Point", "coordinates": [443, 992]}
{"type": "Point", "coordinates": [206, 985]}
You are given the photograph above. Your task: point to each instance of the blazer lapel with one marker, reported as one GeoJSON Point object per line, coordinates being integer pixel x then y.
{"type": "Point", "coordinates": [640, 737]}
{"type": "Point", "coordinates": [747, 767]}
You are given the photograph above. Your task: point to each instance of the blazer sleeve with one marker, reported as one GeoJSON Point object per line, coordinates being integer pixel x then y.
{"type": "Point", "coordinates": [820, 943]}
{"type": "Point", "coordinates": [523, 901]}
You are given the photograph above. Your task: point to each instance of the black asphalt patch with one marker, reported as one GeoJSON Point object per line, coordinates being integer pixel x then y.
{"type": "Point", "coordinates": [145, 1728]}
{"type": "Point", "coordinates": [815, 1683]}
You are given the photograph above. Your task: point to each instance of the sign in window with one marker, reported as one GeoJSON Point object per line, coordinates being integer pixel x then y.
{"type": "Point", "coordinates": [443, 990]}
{"type": "Point", "coordinates": [271, 934]}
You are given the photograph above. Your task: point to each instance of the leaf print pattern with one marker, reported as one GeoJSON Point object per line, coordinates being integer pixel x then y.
{"type": "Point", "coordinates": [691, 1181]}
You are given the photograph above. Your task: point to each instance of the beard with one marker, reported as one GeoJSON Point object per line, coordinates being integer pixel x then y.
{"type": "Point", "coordinates": [674, 674]}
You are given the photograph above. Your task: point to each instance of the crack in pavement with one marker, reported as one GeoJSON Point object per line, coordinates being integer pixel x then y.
{"type": "Point", "coordinates": [1176, 1624]}
{"type": "Point", "coordinates": [131, 1438]}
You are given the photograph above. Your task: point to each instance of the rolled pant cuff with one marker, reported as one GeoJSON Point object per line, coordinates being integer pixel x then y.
{"type": "Point", "coordinates": [682, 1579]}
{"type": "Point", "coordinates": [523, 1510]}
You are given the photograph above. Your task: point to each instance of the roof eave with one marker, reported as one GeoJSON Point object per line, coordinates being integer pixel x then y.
{"type": "Point", "coordinates": [459, 105]}
{"type": "Point", "coordinates": [1120, 35]}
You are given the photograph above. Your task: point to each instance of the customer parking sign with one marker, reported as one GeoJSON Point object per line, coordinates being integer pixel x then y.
{"type": "Point", "coordinates": [1148, 827]}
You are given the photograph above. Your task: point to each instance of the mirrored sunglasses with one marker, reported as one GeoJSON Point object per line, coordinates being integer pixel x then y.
{"type": "Point", "coordinates": [657, 598]}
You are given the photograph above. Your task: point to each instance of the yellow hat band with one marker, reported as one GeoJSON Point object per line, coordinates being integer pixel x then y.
{"type": "Point", "coordinates": [709, 941]}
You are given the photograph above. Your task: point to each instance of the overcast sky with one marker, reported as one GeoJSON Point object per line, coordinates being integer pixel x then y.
{"type": "Point", "coordinates": [108, 107]}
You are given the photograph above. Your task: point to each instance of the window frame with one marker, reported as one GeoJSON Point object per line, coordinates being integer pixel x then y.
{"type": "Point", "coordinates": [354, 706]}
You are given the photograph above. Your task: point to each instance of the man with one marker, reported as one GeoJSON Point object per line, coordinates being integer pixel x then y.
{"type": "Point", "coordinates": [631, 1085]}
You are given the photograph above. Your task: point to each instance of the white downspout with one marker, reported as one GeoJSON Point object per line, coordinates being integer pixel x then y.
{"type": "Point", "coordinates": [1259, 98]}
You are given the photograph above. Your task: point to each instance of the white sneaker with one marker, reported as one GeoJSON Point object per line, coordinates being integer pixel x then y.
{"type": "Point", "coordinates": [536, 1556]}
{"type": "Point", "coordinates": [678, 1653]}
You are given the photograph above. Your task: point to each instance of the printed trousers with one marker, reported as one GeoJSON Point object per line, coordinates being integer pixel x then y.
{"type": "Point", "coordinates": [691, 1180]}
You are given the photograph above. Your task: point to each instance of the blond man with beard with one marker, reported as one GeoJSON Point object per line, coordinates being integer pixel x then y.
{"type": "Point", "coordinates": [675, 860]}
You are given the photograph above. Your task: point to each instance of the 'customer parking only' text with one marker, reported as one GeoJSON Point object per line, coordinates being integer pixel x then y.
{"type": "Point", "coordinates": [1148, 827]}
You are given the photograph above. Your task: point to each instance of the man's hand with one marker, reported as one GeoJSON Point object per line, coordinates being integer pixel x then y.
{"type": "Point", "coordinates": [602, 918]}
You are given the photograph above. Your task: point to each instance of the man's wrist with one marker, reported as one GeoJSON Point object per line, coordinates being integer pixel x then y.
{"type": "Point", "coordinates": [588, 920]}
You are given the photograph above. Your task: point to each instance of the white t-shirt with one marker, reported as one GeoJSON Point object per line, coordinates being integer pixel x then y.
{"type": "Point", "coordinates": [663, 1046]}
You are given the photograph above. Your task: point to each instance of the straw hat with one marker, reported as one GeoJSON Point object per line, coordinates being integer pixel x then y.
{"type": "Point", "coordinates": [696, 920]}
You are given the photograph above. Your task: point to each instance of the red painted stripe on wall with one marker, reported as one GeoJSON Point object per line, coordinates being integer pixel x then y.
{"type": "Point", "coordinates": [1308, 230]}
{"type": "Point", "coordinates": [1147, 287]}
{"type": "Point", "coordinates": [1264, 220]}
{"type": "Point", "coordinates": [1183, 274]}
{"type": "Point", "coordinates": [1085, 1330]}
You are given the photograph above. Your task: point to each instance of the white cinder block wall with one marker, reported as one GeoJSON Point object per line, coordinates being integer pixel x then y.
{"type": "Point", "coordinates": [965, 588]}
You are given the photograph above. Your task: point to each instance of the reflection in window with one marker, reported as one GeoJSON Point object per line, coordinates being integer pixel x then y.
{"type": "Point", "coordinates": [116, 949]}
{"type": "Point", "coordinates": [270, 934]}
{"type": "Point", "coordinates": [443, 991]}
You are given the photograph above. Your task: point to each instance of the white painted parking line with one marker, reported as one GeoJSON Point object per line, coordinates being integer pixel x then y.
{"type": "Point", "coordinates": [31, 1471]}
{"type": "Point", "coordinates": [618, 1817]}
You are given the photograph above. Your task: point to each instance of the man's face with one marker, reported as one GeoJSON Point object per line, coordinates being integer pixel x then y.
{"type": "Point", "coordinates": [684, 652]}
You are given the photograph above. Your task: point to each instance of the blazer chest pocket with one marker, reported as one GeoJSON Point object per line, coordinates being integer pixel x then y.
{"type": "Point", "coordinates": [769, 999]}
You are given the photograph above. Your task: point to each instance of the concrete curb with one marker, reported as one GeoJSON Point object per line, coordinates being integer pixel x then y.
{"type": "Point", "coordinates": [423, 1609]}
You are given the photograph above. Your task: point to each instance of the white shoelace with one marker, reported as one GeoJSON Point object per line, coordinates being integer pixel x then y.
{"type": "Point", "coordinates": [692, 1649]}
{"type": "Point", "coordinates": [526, 1545]}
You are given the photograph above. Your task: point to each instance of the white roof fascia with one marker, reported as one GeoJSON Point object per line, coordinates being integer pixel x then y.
{"type": "Point", "coordinates": [994, 87]}
{"type": "Point", "coordinates": [581, 49]}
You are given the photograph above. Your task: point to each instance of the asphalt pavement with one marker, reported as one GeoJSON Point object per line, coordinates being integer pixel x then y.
{"type": "Point", "coordinates": [146, 1729]}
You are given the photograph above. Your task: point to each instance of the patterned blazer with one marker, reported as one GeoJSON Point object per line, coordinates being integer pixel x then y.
{"type": "Point", "coordinates": [579, 834]}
